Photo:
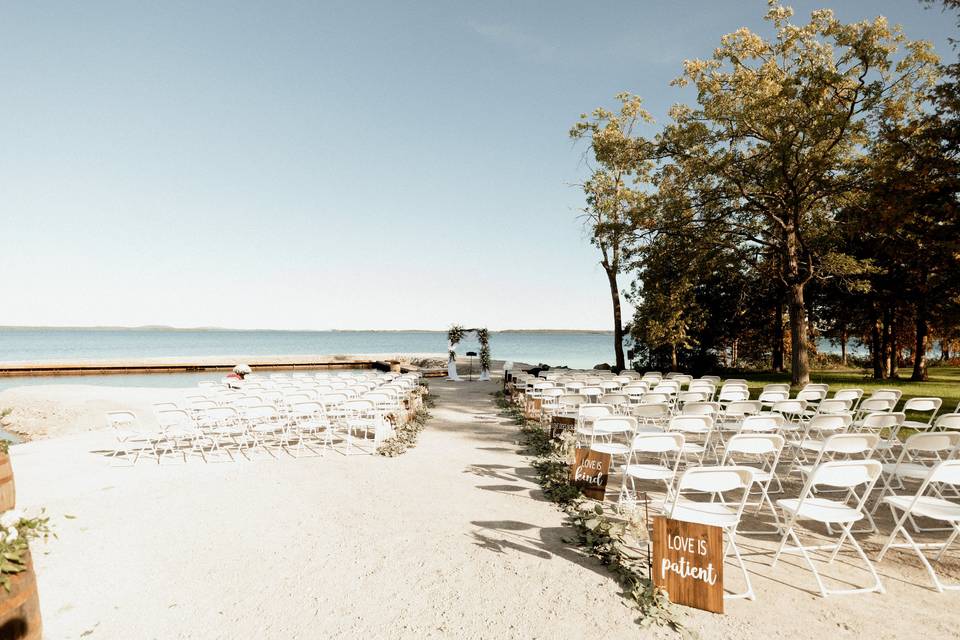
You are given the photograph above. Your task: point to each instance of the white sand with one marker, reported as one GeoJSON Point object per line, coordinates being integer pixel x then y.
{"type": "Point", "coordinates": [450, 540]}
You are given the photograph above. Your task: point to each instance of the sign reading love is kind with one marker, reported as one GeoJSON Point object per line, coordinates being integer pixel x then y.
{"type": "Point", "coordinates": [590, 472]}
{"type": "Point", "coordinates": [688, 563]}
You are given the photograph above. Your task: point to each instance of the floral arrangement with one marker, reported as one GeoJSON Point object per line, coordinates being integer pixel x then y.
{"type": "Point", "coordinates": [405, 435]}
{"type": "Point", "coordinates": [455, 335]}
{"type": "Point", "coordinates": [16, 532]}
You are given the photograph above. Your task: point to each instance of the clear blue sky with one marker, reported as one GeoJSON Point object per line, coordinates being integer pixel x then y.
{"type": "Point", "coordinates": [326, 164]}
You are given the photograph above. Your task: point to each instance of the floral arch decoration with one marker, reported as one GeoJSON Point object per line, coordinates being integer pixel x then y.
{"type": "Point", "coordinates": [454, 336]}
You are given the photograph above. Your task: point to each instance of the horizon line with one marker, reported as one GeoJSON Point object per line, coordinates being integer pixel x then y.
{"type": "Point", "coordinates": [156, 327]}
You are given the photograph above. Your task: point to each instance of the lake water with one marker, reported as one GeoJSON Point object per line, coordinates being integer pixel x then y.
{"type": "Point", "coordinates": [577, 349]}
{"type": "Point", "coordinates": [574, 349]}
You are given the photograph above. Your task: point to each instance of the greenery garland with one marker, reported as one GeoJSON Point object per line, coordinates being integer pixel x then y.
{"type": "Point", "coordinates": [597, 534]}
{"type": "Point", "coordinates": [405, 435]}
{"type": "Point", "coordinates": [16, 532]}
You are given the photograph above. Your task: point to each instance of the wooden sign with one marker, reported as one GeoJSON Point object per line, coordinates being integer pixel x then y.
{"type": "Point", "coordinates": [560, 424]}
{"type": "Point", "coordinates": [688, 563]}
{"type": "Point", "coordinates": [590, 472]}
{"type": "Point", "coordinates": [532, 408]}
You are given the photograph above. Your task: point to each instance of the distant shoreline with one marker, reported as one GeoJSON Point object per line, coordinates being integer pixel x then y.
{"type": "Point", "coordinates": [230, 330]}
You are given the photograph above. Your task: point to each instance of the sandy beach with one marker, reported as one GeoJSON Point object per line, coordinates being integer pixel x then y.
{"type": "Point", "coordinates": [451, 540]}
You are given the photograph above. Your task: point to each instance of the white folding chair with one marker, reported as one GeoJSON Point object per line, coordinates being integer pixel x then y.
{"type": "Point", "coordinates": [934, 507]}
{"type": "Point", "coordinates": [761, 452]}
{"type": "Point", "coordinates": [725, 513]}
{"type": "Point", "coordinates": [842, 474]}
{"type": "Point", "coordinates": [130, 435]}
{"type": "Point", "coordinates": [929, 406]}
{"type": "Point", "coordinates": [653, 457]}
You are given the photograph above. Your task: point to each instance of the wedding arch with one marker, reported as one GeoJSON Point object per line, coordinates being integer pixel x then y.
{"type": "Point", "coordinates": [454, 336]}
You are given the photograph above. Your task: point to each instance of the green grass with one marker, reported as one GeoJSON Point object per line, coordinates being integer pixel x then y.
{"type": "Point", "coordinates": [944, 383]}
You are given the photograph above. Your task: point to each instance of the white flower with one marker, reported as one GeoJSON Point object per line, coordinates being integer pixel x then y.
{"type": "Point", "coordinates": [11, 518]}
{"type": "Point", "coordinates": [12, 535]}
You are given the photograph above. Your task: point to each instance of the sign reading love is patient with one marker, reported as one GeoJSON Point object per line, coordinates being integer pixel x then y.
{"type": "Point", "coordinates": [590, 472]}
{"type": "Point", "coordinates": [688, 563]}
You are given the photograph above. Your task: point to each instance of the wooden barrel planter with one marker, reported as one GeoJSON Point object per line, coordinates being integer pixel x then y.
{"type": "Point", "coordinates": [20, 608]}
{"type": "Point", "coordinates": [8, 494]}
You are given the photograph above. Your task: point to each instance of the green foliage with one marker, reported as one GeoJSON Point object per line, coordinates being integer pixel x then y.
{"type": "Point", "coordinates": [405, 435]}
{"type": "Point", "coordinates": [16, 532]}
{"type": "Point", "coordinates": [596, 533]}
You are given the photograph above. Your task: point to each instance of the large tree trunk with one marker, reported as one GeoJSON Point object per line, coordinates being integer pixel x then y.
{"type": "Point", "coordinates": [673, 357]}
{"type": "Point", "coordinates": [617, 320]}
{"type": "Point", "coordinates": [799, 358]}
{"type": "Point", "coordinates": [777, 364]}
{"type": "Point", "coordinates": [876, 350]}
{"type": "Point", "coordinates": [920, 350]}
{"type": "Point", "coordinates": [843, 347]}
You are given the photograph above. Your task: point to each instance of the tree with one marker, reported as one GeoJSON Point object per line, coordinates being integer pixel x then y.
{"type": "Point", "coordinates": [614, 200]}
{"type": "Point", "coordinates": [771, 148]}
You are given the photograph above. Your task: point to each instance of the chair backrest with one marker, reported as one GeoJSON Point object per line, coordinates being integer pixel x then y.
{"type": "Point", "coordinates": [614, 399]}
{"type": "Point", "coordinates": [700, 409]}
{"type": "Point", "coordinates": [777, 386]}
{"type": "Point", "coordinates": [658, 442]}
{"type": "Point", "coordinates": [742, 381]}
{"type": "Point", "coordinates": [947, 472]}
{"type": "Point", "coordinates": [851, 443]}
{"type": "Point", "coordinates": [829, 422]}
{"type": "Point", "coordinates": [572, 400]}
{"type": "Point", "coordinates": [692, 396]}
{"type": "Point", "coordinates": [815, 386]}
{"type": "Point", "coordinates": [834, 405]}
{"type": "Point", "coordinates": [165, 406]}
{"type": "Point", "coordinates": [594, 410]}
{"type": "Point", "coordinates": [360, 405]}
{"type": "Point", "coordinates": [887, 394]}
{"type": "Point", "coordinates": [306, 409]}
{"type": "Point", "coordinates": [948, 421]}
{"type": "Point", "coordinates": [773, 396]}
{"type": "Point", "coordinates": [923, 405]}
{"type": "Point", "coordinates": [691, 424]}
{"type": "Point", "coordinates": [880, 421]}
{"type": "Point", "coordinates": [716, 480]}
{"type": "Point", "coordinates": [759, 444]}
{"type": "Point", "coordinates": [714, 379]}
{"type": "Point", "coordinates": [703, 386]}
{"type": "Point", "coordinates": [743, 408]}
{"type": "Point", "coordinates": [789, 407]}
{"type": "Point", "coordinates": [853, 395]}
{"type": "Point", "coordinates": [615, 424]}
{"type": "Point", "coordinates": [932, 442]}
{"type": "Point", "coordinates": [765, 423]}
{"type": "Point", "coordinates": [654, 398]}
{"type": "Point", "coordinates": [734, 394]}
{"type": "Point", "coordinates": [844, 474]}
{"type": "Point", "coordinates": [652, 411]}
{"type": "Point", "coordinates": [811, 395]}
{"type": "Point", "coordinates": [873, 405]}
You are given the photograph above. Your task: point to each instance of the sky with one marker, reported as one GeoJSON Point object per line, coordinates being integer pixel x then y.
{"type": "Point", "coordinates": [327, 165]}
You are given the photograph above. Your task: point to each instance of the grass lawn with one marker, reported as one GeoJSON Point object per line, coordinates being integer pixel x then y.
{"type": "Point", "coordinates": [944, 383]}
